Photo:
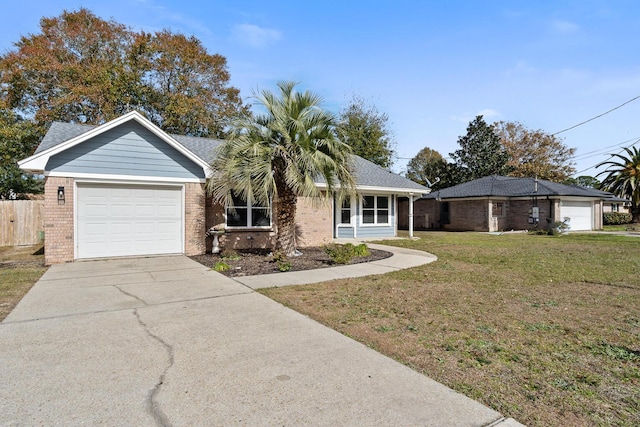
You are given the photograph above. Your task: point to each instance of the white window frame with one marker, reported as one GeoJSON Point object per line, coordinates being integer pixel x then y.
{"type": "Point", "coordinates": [375, 211]}
{"type": "Point", "coordinates": [352, 213]}
{"type": "Point", "coordinates": [249, 207]}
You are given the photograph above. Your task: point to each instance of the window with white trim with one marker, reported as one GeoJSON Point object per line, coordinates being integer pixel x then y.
{"type": "Point", "coordinates": [345, 211]}
{"type": "Point", "coordinates": [246, 214]}
{"type": "Point", "coordinates": [375, 210]}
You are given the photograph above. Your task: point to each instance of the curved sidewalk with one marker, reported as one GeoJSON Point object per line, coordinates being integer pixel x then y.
{"type": "Point", "coordinates": [402, 258]}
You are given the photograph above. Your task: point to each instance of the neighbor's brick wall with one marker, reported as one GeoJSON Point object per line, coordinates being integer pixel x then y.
{"type": "Point", "coordinates": [519, 214]}
{"type": "Point", "coordinates": [425, 214]}
{"type": "Point", "coordinates": [598, 209]}
{"type": "Point", "coordinates": [314, 220]}
{"type": "Point", "coordinates": [468, 215]}
{"type": "Point", "coordinates": [194, 219]}
{"type": "Point", "coordinates": [58, 221]}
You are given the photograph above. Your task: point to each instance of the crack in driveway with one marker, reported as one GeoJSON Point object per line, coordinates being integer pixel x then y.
{"type": "Point", "coordinates": [151, 403]}
{"type": "Point", "coordinates": [130, 295]}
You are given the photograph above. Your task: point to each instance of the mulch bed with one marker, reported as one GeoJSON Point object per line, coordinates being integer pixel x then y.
{"type": "Point", "coordinates": [254, 262]}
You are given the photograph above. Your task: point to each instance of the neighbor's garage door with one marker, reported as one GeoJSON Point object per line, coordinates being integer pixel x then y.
{"type": "Point", "coordinates": [125, 220]}
{"type": "Point", "coordinates": [581, 214]}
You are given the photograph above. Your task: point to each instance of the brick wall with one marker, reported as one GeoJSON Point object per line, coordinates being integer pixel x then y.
{"type": "Point", "coordinates": [58, 221]}
{"type": "Point", "coordinates": [194, 219]}
{"type": "Point", "coordinates": [314, 218]}
{"type": "Point", "coordinates": [425, 214]}
{"type": "Point", "coordinates": [598, 209]}
{"type": "Point", "coordinates": [468, 215]}
{"type": "Point", "coordinates": [520, 211]}
{"type": "Point", "coordinates": [315, 227]}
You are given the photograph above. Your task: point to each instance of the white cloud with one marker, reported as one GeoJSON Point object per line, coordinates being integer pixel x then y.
{"type": "Point", "coordinates": [255, 36]}
{"type": "Point", "coordinates": [565, 27]}
{"type": "Point", "coordinates": [486, 114]}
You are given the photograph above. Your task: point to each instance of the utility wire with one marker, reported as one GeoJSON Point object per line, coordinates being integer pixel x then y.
{"type": "Point", "coordinates": [596, 117]}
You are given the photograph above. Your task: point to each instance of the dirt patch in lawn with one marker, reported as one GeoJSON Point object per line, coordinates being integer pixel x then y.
{"type": "Point", "coordinates": [255, 262]}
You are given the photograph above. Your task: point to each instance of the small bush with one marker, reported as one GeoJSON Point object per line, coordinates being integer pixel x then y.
{"type": "Point", "coordinates": [230, 254]}
{"type": "Point", "coordinates": [281, 261]}
{"type": "Point", "coordinates": [361, 250]}
{"type": "Point", "coordinates": [559, 227]}
{"type": "Point", "coordinates": [221, 266]}
{"type": "Point", "coordinates": [340, 254]}
{"type": "Point", "coordinates": [616, 218]}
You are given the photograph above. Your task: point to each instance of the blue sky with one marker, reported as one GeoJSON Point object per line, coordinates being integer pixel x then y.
{"type": "Point", "coordinates": [432, 66]}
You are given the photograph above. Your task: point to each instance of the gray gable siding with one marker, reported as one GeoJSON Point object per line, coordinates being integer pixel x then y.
{"type": "Point", "coordinates": [129, 149]}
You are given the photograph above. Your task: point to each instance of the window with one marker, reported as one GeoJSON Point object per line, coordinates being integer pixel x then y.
{"type": "Point", "coordinates": [375, 210]}
{"type": "Point", "coordinates": [247, 215]}
{"type": "Point", "coordinates": [345, 211]}
{"type": "Point", "coordinates": [497, 209]}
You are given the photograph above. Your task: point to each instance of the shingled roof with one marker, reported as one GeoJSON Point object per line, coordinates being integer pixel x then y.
{"type": "Point", "coordinates": [506, 186]}
{"type": "Point", "coordinates": [366, 173]}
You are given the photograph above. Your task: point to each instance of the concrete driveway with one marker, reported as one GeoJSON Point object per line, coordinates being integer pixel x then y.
{"type": "Point", "coordinates": [165, 341]}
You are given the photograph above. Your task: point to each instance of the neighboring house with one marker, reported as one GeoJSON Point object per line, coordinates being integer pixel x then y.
{"type": "Point", "coordinates": [127, 188]}
{"type": "Point", "coordinates": [498, 203]}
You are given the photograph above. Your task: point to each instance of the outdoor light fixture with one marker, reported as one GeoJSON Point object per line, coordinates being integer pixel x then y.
{"type": "Point", "coordinates": [61, 195]}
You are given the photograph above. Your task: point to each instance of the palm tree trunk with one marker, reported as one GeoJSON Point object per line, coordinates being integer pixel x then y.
{"type": "Point", "coordinates": [285, 219]}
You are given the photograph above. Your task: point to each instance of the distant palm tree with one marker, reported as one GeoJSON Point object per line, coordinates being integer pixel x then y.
{"type": "Point", "coordinates": [623, 178]}
{"type": "Point", "coordinates": [277, 157]}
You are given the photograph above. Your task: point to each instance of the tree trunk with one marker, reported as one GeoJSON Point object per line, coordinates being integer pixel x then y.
{"type": "Point", "coordinates": [285, 218]}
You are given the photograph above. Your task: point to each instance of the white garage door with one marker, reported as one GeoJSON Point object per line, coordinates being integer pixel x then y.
{"type": "Point", "coordinates": [581, 214]}
{"type": "Point", "coordinates": [125, 220]}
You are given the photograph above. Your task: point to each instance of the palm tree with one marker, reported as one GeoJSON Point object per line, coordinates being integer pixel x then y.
{"type": "Point", "coordinates": [277, 156]}
{"type": "Point", "coordinates": [623, 178]}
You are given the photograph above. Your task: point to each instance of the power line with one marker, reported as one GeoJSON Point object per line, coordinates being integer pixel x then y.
{"type": "Point", "coordinates": [603, 150]}
{"type": "Point", "coordinates": [596, 117]}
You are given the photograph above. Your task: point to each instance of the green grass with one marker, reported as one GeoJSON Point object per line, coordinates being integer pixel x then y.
{"type": "Point", "coordinates": [20, 269]}
{"type": "Point", "coordinates": [543, 329]}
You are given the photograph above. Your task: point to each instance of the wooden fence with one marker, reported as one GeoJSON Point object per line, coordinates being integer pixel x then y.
{"type": "Point", "coordinates": [22, 222]}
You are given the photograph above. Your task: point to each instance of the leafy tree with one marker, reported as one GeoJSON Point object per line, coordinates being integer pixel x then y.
{"type": "Point", "coordinates": [535, 153]}
{"type": "Point", "coordinates": [275, 156]}
{"type": "Point", "coordinates": [623, 178]}
{"type": "Point", "coordinates": [426, 167]}
{"type": "Point", "coordinates": [18, 139]}
{"type": "Point", "coordinates": [480, 153]}
{"type": "Point", "coordinates": [364, 128]}
{"type": "Point", "coordinates": [187, 87]}
{"type": "Point", "coordinates": [81, 68]}
{"type": "Point", "coordinates": [583, 181]}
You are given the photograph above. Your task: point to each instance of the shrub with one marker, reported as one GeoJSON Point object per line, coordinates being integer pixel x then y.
{"type": "Point", "coordinates": [361, 250]}
{"type": "Point", "coordinates": [616, 218]}
{"type": "Point", "coordinates": [221, 266]}
{"type": "Point", "coordinates": [340, 254]}
{"type": "Point", "coordinates": [281, 260]}
{"type": "Point", "coordinates": [230, 254]}
{"type": "Point", "coordinates": [559, 227]}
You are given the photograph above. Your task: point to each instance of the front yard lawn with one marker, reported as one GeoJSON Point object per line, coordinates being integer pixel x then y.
{"type": "Point", "coordinates": [20, 269]}
{"type": "Point", "coordinates": [543, 329]}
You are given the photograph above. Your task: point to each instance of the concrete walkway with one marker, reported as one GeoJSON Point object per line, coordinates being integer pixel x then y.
{"type": "Point", "coordinates": [402, 258]}
{"type": "Point", "coordinates": [165, 341]}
